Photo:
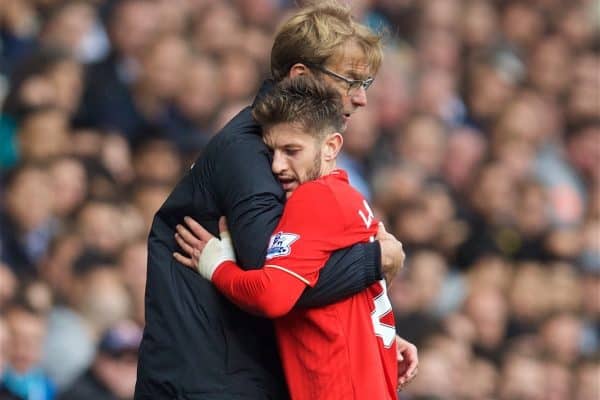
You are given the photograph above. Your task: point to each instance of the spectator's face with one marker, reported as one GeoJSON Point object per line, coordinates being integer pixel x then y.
{"type": "Point", "coordinates": [67, 78]}
{"type": "Point", "coordinates": [576, 26]}
{"type": "Point", "coordinates": [561, 336]}
{"type": "Point", "coordinates": [102, 298]}
{"type": "Point", "coordinates": [58, 265]}
{"type": "Point", "coordinates": [68, 28]}
{"type": "Point", "coordinates": [134, 25]}
{"type": "Point", "coordinates": [522, 378]}
{"type": "Point", "coordinates": [591, 295]}
{"type": "Point", "coordinates": [584, 152]}
{"type": "Point", "coordinates": [99, 227]}
{"type": "Point", "coordinates": [297, 156]}
{"type": "Point", "coordinates": [423, 143]}
{"type": "Point", "coordinates": [164, 66]}
{"type": "Point", "coordinates": [158, 161]}
{"type": "Point", "coordinates": [489, 92]}
{"type": "Point", "coordinates": [528, 296]}
{"type": "Point", "coordinates": [550, 66]}
{"type": "Point", "coordinates": [391, 91]}
{"type": "Point", "coordinates": [43, 135]}
{"type": "Point", "coordinates": [564, 288]}
{"type": "Point", "coordinates": [148, 200]}
{"type": "Point", "coordinates": [487, 309]}
{"type": "Point", "coordinates": [464, 152]}
{"type": "Point", "coordinates": [427, 273]}
{"type": "Point", "coordinates": [69, 184]}
{"type": "Point", "coordinates": [8, 288]}
{"type": "Point", "coordinates": [27, 332]}
{"type": "Point", "coordinates": [434, 377]}
{"type": "Point", "coordinates": [219, 30]}
{"type": "Point", "coordinates": [493, 272]}
{"type": "Point", "coordinates": [483, 379]}
{"type": "Point", "coordinates": [440, 49]}
{"type": "Point", "coordinates": [360, 136]}
{"type": "Point", "coordinates": [582, 101]}
{"type": "Point", "coordinates": [240, 76]}
{"type": "Point", "coordinates": [479, 24]}
{"type": "Point", "coordinates": [494, 194]}
{"type": "Point", "coordinates": [435, 91]}
{"type": "Point", "coordinates": [442, 15]}
{"type": "Point", "coordinates": [200, 95]}
{"type": "Point", "coordinates": [118, 373]}
{"type": "Point", "coordinates": [522, 24]}
{"type": "Point", "coordinates": [587, 384]}
{"type": "Point", "coordinates": [532, 216]}
{"type": "Point", "coordinates": [29, 199]}
{"type": "Point", "coordinates": [558, 381]}
{"type": "Point", "coordinates": [350, 62]}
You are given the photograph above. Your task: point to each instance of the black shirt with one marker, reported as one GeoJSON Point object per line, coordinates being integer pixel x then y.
{"type": "Point", "coordinates": [196, 344]}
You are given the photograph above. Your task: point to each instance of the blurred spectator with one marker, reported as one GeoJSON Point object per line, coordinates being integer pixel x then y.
{"type": "Point", "coordinates": [112, 374]}
{"type": "Point", "coordinates": [97, 298]}
{"type": "Point", "coordinates": [359, 142]}
{"type": "Point", "coordinates": [73, 25]}
{"type": "Point", "coordinates": [23, 378]}
{"type": "Point", "coordinates": [27, 220]}
{"type": "Point", "coordinates": [43, 133]}
{"type": "Point", "coordinates": [480, 151]}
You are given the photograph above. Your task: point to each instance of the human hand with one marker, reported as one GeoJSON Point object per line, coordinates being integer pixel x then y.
{"type": "Point", "coordinates": [392, 254]}
{"type": "Point", "coordinates": [205, 252]}
{"type": "Point", "coordinates": [408, 361]}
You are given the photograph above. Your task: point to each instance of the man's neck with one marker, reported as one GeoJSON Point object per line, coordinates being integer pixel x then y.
{"type": "Point", "coordinates": [328, 168]}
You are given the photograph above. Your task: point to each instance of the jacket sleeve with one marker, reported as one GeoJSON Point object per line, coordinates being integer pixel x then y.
{"type": "Point", "coordinates": [250, 197]}
{"type": "Point", "coordinates": [348, 271]}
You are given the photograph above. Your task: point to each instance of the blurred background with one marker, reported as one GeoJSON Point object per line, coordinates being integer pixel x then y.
{"type": "Point", "coordinates": [480, 149]}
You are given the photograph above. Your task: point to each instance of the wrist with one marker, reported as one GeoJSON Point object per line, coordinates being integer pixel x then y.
{"type": "Point", "coordinates": [373, 258]}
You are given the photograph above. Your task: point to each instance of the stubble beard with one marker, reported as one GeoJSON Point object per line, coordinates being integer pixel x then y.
{"type": "Point", "coordinates": [315, 172]}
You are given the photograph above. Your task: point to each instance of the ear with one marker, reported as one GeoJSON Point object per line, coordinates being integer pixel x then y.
{"type": "Point", "coordinates": [332, 145]}
{"type": "Point", "coordinates": [298, 69]}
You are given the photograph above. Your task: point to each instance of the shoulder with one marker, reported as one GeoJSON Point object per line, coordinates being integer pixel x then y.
{"type": "Point", "coordinates": [315, 197]}
{"type": "Point", "coordinates": [240, 134]}
{"type": "Point", "coordinates": [317, 190]}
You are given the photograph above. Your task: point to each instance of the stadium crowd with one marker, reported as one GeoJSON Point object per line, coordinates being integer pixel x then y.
{"type": "Point", "coordinates": [480, 149]}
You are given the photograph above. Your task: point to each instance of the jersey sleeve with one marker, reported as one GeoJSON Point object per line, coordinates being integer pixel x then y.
{"type": "Point", "coordinates": [267, 292]}
{"type": "Point", "coordinates": [309, 231]}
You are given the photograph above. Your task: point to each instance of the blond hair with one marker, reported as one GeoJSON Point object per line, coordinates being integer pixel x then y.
{"type": "Point", "coordinates": [316, 33]}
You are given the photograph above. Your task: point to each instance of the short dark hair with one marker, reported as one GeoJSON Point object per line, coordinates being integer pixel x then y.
{"type": "Point", "coordinates": [305, 101]}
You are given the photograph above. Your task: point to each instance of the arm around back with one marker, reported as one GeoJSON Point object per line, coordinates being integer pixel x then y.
{"type": "Point", "coordinates": [249, 195]}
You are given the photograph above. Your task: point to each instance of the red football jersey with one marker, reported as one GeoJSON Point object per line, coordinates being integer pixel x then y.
{"type": "Point", "coordinates": [346, 350]}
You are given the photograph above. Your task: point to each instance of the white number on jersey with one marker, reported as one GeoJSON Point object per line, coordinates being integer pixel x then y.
{"type": "Point", "coordinates": [383, 306]}
{"type": "Point", "coordinates": [368, 217]}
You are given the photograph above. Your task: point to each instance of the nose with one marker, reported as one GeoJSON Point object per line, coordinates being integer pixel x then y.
{"type": "Point", "coordinates": [278, 165]}
{"type": "Point", "coordinates": [359, 97]}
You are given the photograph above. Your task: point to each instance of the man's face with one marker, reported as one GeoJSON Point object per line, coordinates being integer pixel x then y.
{"type": "Point", "coordinates": [296, 155]}
{"type": "Point", "coordinates": [349, 62]}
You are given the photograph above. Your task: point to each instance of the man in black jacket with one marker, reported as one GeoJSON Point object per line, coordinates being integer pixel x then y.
{"type": "Point", "coordinates": [196, 344]}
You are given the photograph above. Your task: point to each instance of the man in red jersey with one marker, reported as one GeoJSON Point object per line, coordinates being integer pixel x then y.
{"type": "Point", "coordinates": [345, 350]}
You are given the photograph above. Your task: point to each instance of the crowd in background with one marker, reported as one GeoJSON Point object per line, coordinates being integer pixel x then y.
{"type": "Point", "coordinates": [479, 149]}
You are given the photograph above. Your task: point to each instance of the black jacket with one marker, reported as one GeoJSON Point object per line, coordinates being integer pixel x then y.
{"type": "Point", "coordinates": [196, 344]}
{"type": "Point", "coordinates": [87, 387]}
